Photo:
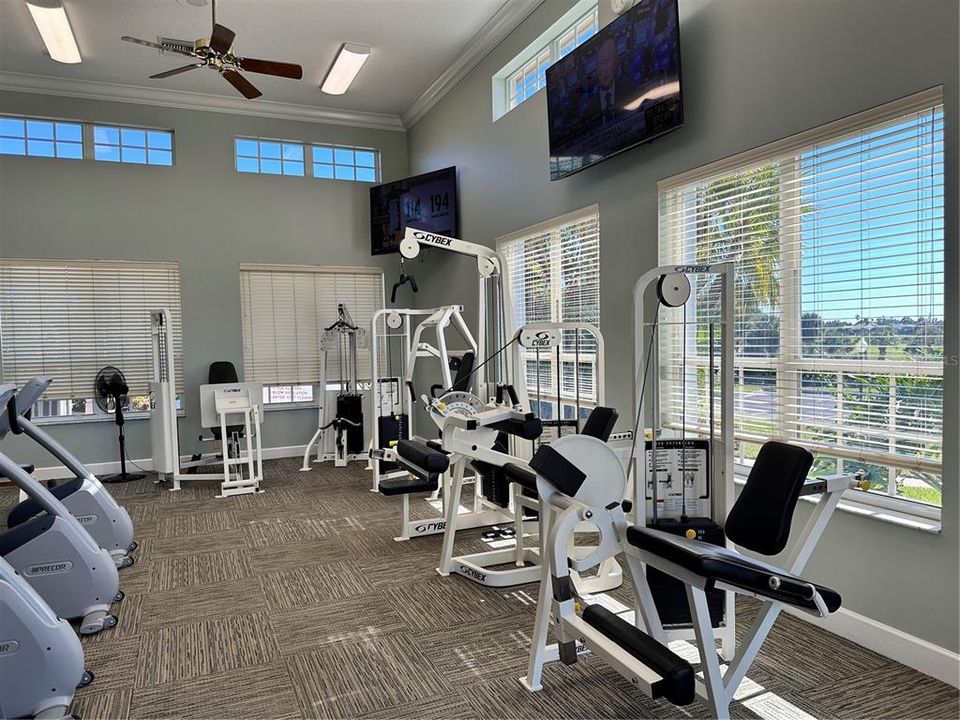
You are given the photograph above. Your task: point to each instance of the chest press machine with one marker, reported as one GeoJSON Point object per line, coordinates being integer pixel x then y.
{"type": "Point", "coordinates": [580, 479]}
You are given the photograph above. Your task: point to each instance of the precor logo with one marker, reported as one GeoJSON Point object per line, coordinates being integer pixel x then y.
{"type": "Point", "coordinates": [48, 568]}
{"type": "Point", "coordinates": [8, 647]}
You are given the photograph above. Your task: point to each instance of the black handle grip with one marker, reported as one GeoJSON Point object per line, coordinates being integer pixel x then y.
{"type": "Point", "coordinates": [413, 284]}
{"type": "Point", "coordinates": [499, 394]}
{"type": "Point", "coordinates": [413, 393]}
{"type": "Point", "coordinates": [434, 389]}
{"type": "Point", "coordinates": [13, 416]}
{"type": "Point", "coordinates": [393, 293]}
{"type": "Point", "coordinates": [514, 398]}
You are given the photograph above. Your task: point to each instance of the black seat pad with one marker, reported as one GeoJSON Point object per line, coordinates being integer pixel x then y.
{"type": "Point", "coordinates": [422, 456]}
{"type": "Point", "coordinates": [529, 429]}
{"type": "Point", "coordinates": [720, 564]}
{"type": "Point", "coordinates": [30, 507]}
{"type": "Point", "coordinates": [521, 476]}
{"type": "Point", "coordinates": [406, 485]}
{"type": "Point", "coordinates": [436, 445]}
{"type": "Point", "coordinates": [24, 533]}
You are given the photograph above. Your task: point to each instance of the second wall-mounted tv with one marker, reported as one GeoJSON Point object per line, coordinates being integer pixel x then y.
{"type": "Point", "coordinates": [617, 90]}
{"type": "Point", "coordinates": [426, 202]}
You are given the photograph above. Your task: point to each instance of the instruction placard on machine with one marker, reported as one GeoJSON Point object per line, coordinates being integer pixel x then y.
{"type": "Point", "coordinates": [683, 477]}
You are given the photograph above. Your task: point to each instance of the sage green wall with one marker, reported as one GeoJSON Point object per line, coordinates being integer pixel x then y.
{"type": "Point", "coordinates": [200, 213]}
{"type": "Point", "coordinates": [754, 71]}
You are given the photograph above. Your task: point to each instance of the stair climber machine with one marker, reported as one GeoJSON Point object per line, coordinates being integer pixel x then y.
{"type": "Point", "coordinates": [415, 336]}
{"type": "Point", "coordinates": [41, 661]}
{"type": "Point", "coordinates": [52, 551]}
{"type": "Point", "coordinates": [339, 438]}
{"type": "Point", "coordinates": [579, 478]}
{"type": "Point", "coordinates": [84, 496]}
{"type": "Point", "coordinates": [474, 433]}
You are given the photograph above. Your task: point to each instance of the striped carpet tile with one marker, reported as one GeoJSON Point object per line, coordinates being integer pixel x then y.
{"type": "Point", "coordinates": [314, 585]}
{"type": "Point", "coordinates": [181, 525]}
{"type": "Point", "coordinates": [198, 649]}
{"type": "Point", "coordinates": [256, 692]}
{"type": "Point", "coordinates": [202, 602]}
{"type": "Point", "coordinates": [306, 629]}
{"type": "Point", "coordinates": [202, 569]}
{"type": "Point", "coordinates": [92, 704]}
{"type": "Point", "coordinates": [350, 679]}
{"type": "Point", "coordinates": [274, 532]}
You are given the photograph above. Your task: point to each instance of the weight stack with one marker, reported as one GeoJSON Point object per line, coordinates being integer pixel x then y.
{"type": "Point", "coordinates": [494, 485]}
{"type": "Point", "coordinates": [669, 594]}
{"type": "Point", "coordinates": [350, 407]}
{"type": "Point", "coordinates": [391, 428]}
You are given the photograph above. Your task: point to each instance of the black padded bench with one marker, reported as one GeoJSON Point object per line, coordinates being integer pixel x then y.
{"type": "Point", "coordinates": [424, 464]}
{"type": "Point", "coordinates": [720, 564]}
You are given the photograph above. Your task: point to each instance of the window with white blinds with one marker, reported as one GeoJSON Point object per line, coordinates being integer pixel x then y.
{"type": "Point", "coordinates": [554, 272]}
{"type": "Point", "coordinates": [69, 318]}
{"type": "Point", "coordinates": [838, 240]}
{"type": "Point", "coordinates": [285, 311]}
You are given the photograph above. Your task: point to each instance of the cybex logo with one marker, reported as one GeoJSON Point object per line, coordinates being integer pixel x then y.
{"type": "Point", "coordinates": [86, 519]}
{"type": "Point", "coordinates": [8, 647]}
{"type": "Point", "coordinates": [431, 238]}
{"type": "Point", "coordinates": [430, 526]}
{"type": "Point", "coordinates": [541, 339]}
{"type": "Point", "coordinates": [470, 572]}
{"type": "Point", "coordinates": [692, 268]}
{"type": "Point", "coordinates": [48, 568]}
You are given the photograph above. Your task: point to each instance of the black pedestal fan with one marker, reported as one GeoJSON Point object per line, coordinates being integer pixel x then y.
{"type": "Point", "coordinates": [110, 384]}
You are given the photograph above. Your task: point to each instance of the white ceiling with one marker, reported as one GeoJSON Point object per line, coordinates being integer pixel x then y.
{"type": "Point", "coordinates": [412, 43]}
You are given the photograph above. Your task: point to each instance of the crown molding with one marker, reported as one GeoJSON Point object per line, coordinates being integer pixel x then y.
{"type": "Point", "coordinates": [44, 85]}
{"type": "Point", "coordinates": [505, 21]}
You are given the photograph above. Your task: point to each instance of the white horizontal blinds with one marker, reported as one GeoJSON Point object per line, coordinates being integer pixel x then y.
{"type": "Point", "coordinates": [555, 277]}
{"type": "Point", "coordinates": [285, 311]}
{"type": "Point", "coordinates": [69, 318]}
{"type": "Point", "coordinates": [838, 246]}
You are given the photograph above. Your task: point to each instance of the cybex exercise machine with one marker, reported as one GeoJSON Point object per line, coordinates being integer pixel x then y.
{"type": "Point", "coordinates": [340, 437]}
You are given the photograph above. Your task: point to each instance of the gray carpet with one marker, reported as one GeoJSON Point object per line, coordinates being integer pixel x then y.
{"type": "Point", "coordinates": [297, 603]}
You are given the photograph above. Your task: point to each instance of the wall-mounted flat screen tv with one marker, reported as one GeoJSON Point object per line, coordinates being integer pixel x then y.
{"type": "Point", "coordinates": [617, 90]}
{"type": "Point", "coordinates": [427, 202]}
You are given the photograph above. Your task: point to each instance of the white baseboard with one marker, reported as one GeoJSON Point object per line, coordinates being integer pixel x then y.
{"type": "Point", "coordinates": [906, 649]}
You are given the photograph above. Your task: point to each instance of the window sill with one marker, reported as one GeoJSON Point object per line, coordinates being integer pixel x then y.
{"type": "Point", "coordinates": [902, 517]}
{"type": "Point", "coordinates": [98, 418]}
{"type": "Point", "coordinates": [290, 406]}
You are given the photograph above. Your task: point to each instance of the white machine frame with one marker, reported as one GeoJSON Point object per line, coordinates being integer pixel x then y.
{"type": "Point", "coordinates": [355, 340]}
{"type": "Point", "coordinates": [721, 443]}
{"type": "Point", "coordinates": [217, 402]}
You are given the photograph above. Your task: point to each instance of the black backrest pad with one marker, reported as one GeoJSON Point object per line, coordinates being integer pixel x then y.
{"type": "Point", "coordinates": [761, 516]}
{"type": "Point", "coordinates": [600, 423]}
{"type": "Point", "coordinates": [222, 371]}
{"type": "Point", "coordinates": [461, 380]}
{"type": "Point", "coordinates": [529, 429]}
{"type": "Point", "coordinates": [559, 472]}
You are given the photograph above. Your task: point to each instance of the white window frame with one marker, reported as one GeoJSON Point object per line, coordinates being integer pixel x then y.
{"type": "Point", "coordinates": [556, 393]}
{"type": "Point", "coordinates": [89, 146]}
{"type": "Point", "coordinates": [889, 506]}
{"type": "Point", "coordinates": [541, 54]}
{"type": "Point", "coordinates": [307, 159]}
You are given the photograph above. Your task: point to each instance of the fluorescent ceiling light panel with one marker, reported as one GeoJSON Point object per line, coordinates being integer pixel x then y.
{"type": "Point", "coordinates": [345, 68]}
{"type": "Point", "coordinates": [54, 26]}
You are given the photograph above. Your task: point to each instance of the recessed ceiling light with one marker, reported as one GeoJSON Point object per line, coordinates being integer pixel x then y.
{"type": "Point", "coordinates": [345, 68]}
{"type": "Point", "coordinates": [54, 26]}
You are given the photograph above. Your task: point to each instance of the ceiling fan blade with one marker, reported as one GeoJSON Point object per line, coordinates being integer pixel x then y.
{"type": "Point", "coordinates": [271, 67]}
{"type": "Point", "coordinates": [165, 48]}
{"type": "Point", "coordinates": [245, 87]}
{"type": "Point", "coordinates": [221, 39]}
{"type": "Point", "coordinates": [175, 71]}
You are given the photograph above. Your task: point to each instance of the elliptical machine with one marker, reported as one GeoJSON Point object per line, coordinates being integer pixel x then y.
{"type": "Point", "coordinates": [84, 496]}
{"type": "Point", "coordinates": [60, 559]}
{"type": "Point", "coordinates": [41, 661]}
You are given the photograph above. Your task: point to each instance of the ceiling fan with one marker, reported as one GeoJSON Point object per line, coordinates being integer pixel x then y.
{"type": "Point", "coordinates": [217, 54]}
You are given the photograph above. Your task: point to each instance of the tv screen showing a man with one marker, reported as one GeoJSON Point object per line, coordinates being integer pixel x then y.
{"type": "Point", "coordinates": [620, 88]}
